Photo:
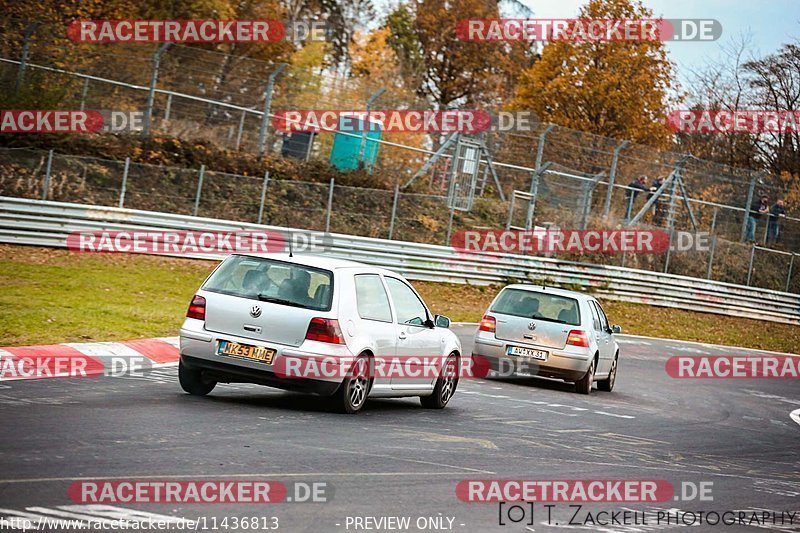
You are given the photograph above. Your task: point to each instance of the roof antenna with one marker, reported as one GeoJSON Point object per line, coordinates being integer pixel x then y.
{"type": "Point", "coordinates": [290, 244]}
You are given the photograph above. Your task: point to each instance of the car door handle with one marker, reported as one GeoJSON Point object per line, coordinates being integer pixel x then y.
{"type": "Point", "coordinates": [402, 335]}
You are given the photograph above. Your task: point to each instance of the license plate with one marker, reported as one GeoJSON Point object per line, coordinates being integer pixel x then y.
{"type": "Point", "coordinates": [256, 353]}
{"type": "Point", "coordinates": [530, 353]}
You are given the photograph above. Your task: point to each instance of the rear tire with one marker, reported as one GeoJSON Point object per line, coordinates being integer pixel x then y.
{"type": "Point", "coordinates": [191, 380]}
{"type": "Point", "coordinates": [445, 387]}
{"type": "Point", "coordinates": [352, 394]}
{"type": "Point", "coordinates": [584, 385]}
{"type": "Point", "coordinates": [607, 385]}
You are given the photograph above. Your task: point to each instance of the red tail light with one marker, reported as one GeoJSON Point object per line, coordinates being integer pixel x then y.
{"type": "Point", "coordinates": [488, 323]}
{"type": "Point", "coordinates": [197, 309]}
{"type": "Point", "coordinates": [578, 337]}
{"type": "Point", "coordinates": [325, 330]}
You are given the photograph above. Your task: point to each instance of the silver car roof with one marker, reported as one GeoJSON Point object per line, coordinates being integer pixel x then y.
{"type": "Point", "coordinates": [318, 261]}
{"type": "Point", "coordinates": [551, 290]}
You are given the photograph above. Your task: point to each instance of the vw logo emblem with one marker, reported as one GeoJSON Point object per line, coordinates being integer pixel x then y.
{"type": "Point", "coordinates": [532, 326]}
{"type": "Point", "coordinates": [255, 311]}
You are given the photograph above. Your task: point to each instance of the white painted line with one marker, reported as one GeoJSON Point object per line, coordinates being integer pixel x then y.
{"type": "Point", "coordinates": [244, 475]}
{"type": "Point", "coordinates": [795, 415]}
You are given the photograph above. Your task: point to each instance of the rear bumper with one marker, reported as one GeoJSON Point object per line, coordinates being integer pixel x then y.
{"type": "Point", "coordinates": [226, 373]}
{"type": "Point", "coordinates": [198, 349]}
{"type": "Point", "coordinates": [559, 364]}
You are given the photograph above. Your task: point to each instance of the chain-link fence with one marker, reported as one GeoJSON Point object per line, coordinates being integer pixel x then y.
{"type": "Point", "coordinates": [379, 213]}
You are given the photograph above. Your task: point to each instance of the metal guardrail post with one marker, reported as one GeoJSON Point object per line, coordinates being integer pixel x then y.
{"type": "Point", "coordinates": [199, 190]}
{"type": "Point", "coordinates": [151, 95]}
{"type": "Point", "coordinates": [23, 60]}
{"type": "Point", "coordinates": [365, 128]}
{"type": "Point", "coordinates": [124, 182]}
{"type": "Point", "coordinates": [789, 276]}
{"type": "Point", "coordinates": [330, 208]}
{"type": "Point", "coordinates": [613, 176]}
{"type": "Point", "coordinates": [750, 268]}
{"type": "Point", "coordinates": [262, 132]}
{"type": "Point", "coordinates": [540, 147]}
{"type": "Point", "coordinates": [48, 169]}
{"type": "Point", "coordinates": [750, 192]}
{"type": "Point", "coordinates": [263, 196]}
{"type": "Point", "coordinates": [394, 209]}
{"type": "Point", "coordinates": [84, 93]}
{"type": "Point", "coordinates": [711, 254]}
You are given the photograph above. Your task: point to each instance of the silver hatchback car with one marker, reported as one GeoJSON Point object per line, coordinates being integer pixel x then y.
{"type": "Point", "coordinates": [318, 325]}
{"type": "Point", "coordinates": [554, 333]}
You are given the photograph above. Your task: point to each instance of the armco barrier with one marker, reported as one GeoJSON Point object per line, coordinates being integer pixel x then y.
{"type": "Point", "coordinates": [43, 223]}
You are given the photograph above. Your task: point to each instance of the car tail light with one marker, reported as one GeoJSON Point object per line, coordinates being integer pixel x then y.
{"type": "Point", "coordinates": [578, 337]}
{"type": "Point", "coordinates": [488, 323]}
{"type": "Point", "coordinates": [197, 309]}
{"type": "Point", "coordinates": [325, 330]}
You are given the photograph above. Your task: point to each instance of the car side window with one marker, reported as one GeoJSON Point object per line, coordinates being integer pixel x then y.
{"type": "Point", "coordinates": [603, 317]}
{"type": "Point", "coordinates": [595, 316]}
{"type": "Point", "coordinates": [371, 299]}
{"type": "Point", "coordinates": [409, 308]}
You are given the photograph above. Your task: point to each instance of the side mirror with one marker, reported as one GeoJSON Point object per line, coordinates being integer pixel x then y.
{"type": "Point", "coordinates": [616, 329]}
{"type": "Point", "coordinates": [441, 321]}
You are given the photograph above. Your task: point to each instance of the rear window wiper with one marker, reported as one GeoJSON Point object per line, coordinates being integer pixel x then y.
{"type": "Point", "coordinates": [273, 300]}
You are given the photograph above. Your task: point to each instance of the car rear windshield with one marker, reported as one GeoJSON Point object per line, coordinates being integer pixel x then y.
{"type": "Point", "coordinates": [530, 304]}
{"type": "Point", "coordinates": [273, 281]}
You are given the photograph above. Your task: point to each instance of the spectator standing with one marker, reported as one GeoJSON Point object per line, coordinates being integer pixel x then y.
{"type": "Point", "coordinates": [759, 207]}
{"type": "Point", "coordinates": [639, 184]}
{"type": "Point", "coordinates": [776, 213]}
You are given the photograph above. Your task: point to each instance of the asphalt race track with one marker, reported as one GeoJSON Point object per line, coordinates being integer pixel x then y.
{"type": "Point", "coordinates": [396, 459]}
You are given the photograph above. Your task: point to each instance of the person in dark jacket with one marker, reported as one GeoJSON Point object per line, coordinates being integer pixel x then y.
{"type": "Point", "coordinates": [639, 184]}
{"type": "Point", "coordinates": [759, 207]}
{"type": "Point", "coordinates": [776, 213]}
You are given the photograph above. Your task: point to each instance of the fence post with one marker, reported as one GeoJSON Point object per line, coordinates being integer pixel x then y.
{"type": "Point", "coordinates": [450, 225]}
{"type": "Point", "coordinates": [84, 92]}
{"type": "Point", "coordinates": [613, 176]}
{"type": "Point", "coordinates": [711, 254]}
{"type": "Point", "coordinates": [330, 208]}
{"type": "Point", "coordinates": [23, 61]}
{"type": "Point", "coordinates": [46, 190]}
{"type": "Point", "coordinates": [766, 228]}
{"type": "Point", "coordinates": [540, 148]}
{"type": "Point", "coordinates": [124, 182]}
{"type": "Point", "coordinates": [750, 192]}
{"type": "Point", "coordinates": [199, 190]}
{"type": "Point", "coordinates": [239, 133]}
{"type": "Point", "coordinates": [789, 276]}
{"type": "Point", "coordinates": [669, 251]}
{"type": "Point", "coordinates": [151, 95]}
{"type": "Point", "coordinates": [263, 196]}
{"type": "Point", "coordinates": [533, 192]}
{"type": "Point", "coordinates": [394, 209]}
{"type": "Point", "coordinates": [365, 125]}
{"type": "Point", "coordinates": [168, 108]}
{"type": "Point", "coordinates": [262, 133]}
{"type": "Point", "coordinates": [750, 268]}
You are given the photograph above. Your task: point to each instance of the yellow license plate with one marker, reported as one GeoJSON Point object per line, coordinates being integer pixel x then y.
{"type": "Point", "coordinates": [257, 353]}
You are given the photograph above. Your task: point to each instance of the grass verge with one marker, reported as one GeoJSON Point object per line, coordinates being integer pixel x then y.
{"type": "Point", "coordinates": [51, 296]}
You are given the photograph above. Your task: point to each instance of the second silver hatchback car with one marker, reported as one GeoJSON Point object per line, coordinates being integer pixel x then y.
{"type": "Point", "coordinates": [317, 325]}
{"type": "Point", "coordinates": [552, 333]}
